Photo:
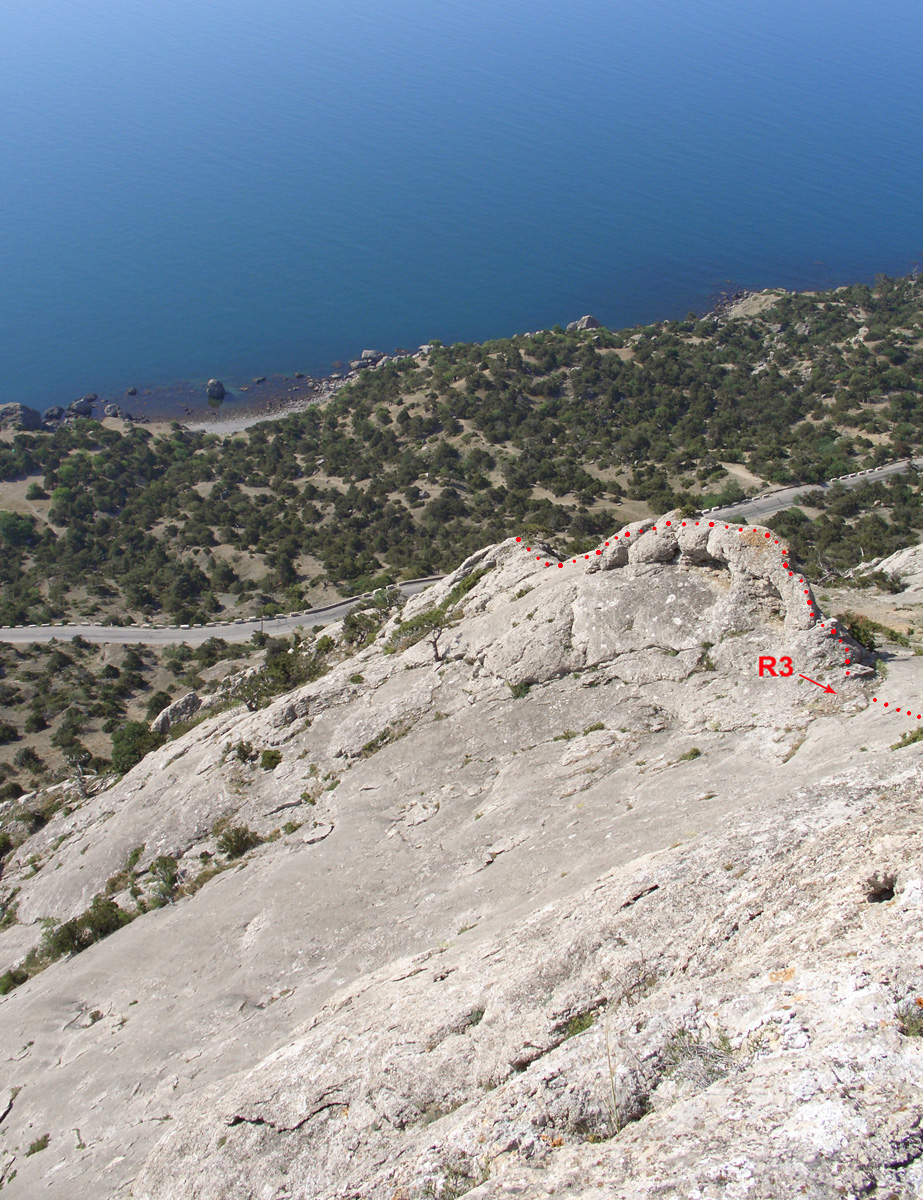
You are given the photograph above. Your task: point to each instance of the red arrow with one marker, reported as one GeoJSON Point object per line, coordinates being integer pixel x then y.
{"type": "Point", "coordinates": [825, 686]}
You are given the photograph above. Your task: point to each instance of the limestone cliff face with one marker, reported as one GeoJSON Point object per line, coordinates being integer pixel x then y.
{"type": "Point", "coordinates": [563, 895]}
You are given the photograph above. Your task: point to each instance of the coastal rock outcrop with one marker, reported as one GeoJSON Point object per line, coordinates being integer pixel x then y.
{"type": "Point", "coordinates": [82, 407]}
{"type": "Point", "coordinates": [19, 416]}
{"type": "Point", "coordinates": [555, 892]}
{"type": "Point", "coordinates": [586, 322]}
{"type": "Point", "coordinates": [214, 389]}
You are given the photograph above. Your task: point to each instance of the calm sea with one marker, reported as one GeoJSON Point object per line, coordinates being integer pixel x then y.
{"type": "Point", "coordinates": [192, 188]}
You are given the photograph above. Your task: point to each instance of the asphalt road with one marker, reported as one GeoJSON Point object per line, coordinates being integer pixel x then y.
{"type": "Point", "coordinates": [756, 510]}
{"type": "Point", "coordinates": [194, 635]}
{"type": "Point", "coordinates": [767, 504]}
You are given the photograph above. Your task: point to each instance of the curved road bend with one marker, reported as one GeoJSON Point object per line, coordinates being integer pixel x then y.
{"type": "Point", "coordinates": [767, 504]}
{"type": "Point", "coordinates": [756, 510]}
{"type": "Point", "coordinates": [194, 635]}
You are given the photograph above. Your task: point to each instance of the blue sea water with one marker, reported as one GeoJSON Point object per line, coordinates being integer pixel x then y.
{"type": "Point", "coordinates": [192, 188]}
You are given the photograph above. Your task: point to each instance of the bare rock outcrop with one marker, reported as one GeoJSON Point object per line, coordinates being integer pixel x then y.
{"type": "Point", "coordinates": [180, 710]}
{"type": "Point", "coordinates": [726, 1013]}
{"type": "Point", "coordinates": [19, 416]}
{"type": "Point", "coordinates": [555, 892]}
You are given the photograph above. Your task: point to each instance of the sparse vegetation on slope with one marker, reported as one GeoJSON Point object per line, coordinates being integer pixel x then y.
{"type": "Point", "coordinates": [420, 462]}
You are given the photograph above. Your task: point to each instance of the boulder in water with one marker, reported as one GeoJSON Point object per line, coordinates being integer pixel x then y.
{"type": "Point", "coordinates": [214, 389]}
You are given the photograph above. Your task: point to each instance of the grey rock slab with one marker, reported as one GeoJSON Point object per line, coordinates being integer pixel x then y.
{"type": "Point", "coordinates": [180, 710]}
{"type": "Point", "coordinates": [439, 799]}
{"type": "Point", "coordinates": [19, 416]}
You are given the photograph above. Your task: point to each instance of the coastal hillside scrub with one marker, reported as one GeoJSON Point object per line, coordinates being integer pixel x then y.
{"type": "Point", "coordinates": [75, 707]}
{"type": "Point", "coordinates": [416, 464]}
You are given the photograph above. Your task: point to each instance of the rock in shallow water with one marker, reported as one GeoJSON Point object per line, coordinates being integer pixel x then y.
{"type": "Point", "coordinates": [215, 389]}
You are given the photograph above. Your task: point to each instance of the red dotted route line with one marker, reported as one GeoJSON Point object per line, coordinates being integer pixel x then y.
{"type": "Point", "coordinates": [784, 552]}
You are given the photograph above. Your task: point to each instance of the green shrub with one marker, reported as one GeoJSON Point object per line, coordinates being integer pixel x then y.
{"type": "Point", "coordinates": [409, 632]}
{"type": "Point", "coordinates": [519, 690]}
{"type": "Point", "coordinates": [694, 752]}
{"type": "Point", "coordinates": [8, 733]}
{"type": "Point", "coordinates": [157, 703]}
{"type": "Point", "coordinates": [39, 1144]}
{"type": "Point", "coordinates": [26, 759]}
{"type": "Point", "coordinates": [164, 872]}
{"type": "Point", "coordinates": [35, 722]}
{"type": "Point", "coordinates": [102, 918]}
{"type": "Point", "coordinates": [911, 1018]}
{"type": "Point", "coordinates": [131, 743]}
{"type": "Point", "coordinates": [12, 979]}
{"type": "Point", "coordinates": [237, 841]}
{"type": "Point", "coordinates": [867, 632]}
{"type": "Point", "coordinates": [270, 759]}
{"type": "Point", "coordinates": [245, 751]}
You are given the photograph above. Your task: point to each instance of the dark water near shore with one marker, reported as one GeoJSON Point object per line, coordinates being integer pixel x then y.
{"type": "Point", "coordinates": [187, 402]}
{"type": "Point", "coordinates": [234, 189]}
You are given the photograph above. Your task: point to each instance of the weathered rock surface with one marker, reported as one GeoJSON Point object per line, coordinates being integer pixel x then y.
{"type": "Point", "coordinates": [82, 407]}
{"type": "Point", "coordinates": [586, 322]}
{"type": "Point", "coordinates": [55, 413]}
{"type": "Point", "coordinates": [562, 897]}
{"type": "Point", "coordinates": [214, 389]}
{"type": "Point", "coordinates": [907, 566]}
{"type": "Point", "coordinates": [19, 416]}
{"type": "Point", "coordinates": [180, 710]}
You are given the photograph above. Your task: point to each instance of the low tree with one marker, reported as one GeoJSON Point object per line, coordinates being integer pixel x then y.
{"type": "Point", "coordinates": [131, 743]}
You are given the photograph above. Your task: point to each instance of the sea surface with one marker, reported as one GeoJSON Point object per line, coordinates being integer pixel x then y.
{"type": "Point", "coordinates": [191, 188]}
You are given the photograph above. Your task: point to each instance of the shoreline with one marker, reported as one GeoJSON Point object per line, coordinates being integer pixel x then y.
{"type": "Point", "coordinates": [264, 398]}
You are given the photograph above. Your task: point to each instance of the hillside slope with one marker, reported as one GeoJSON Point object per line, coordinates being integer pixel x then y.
{"type": "Point", "coordinates": [556, 892]}
{"type": "Point", "coordinates": [423, 459]}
